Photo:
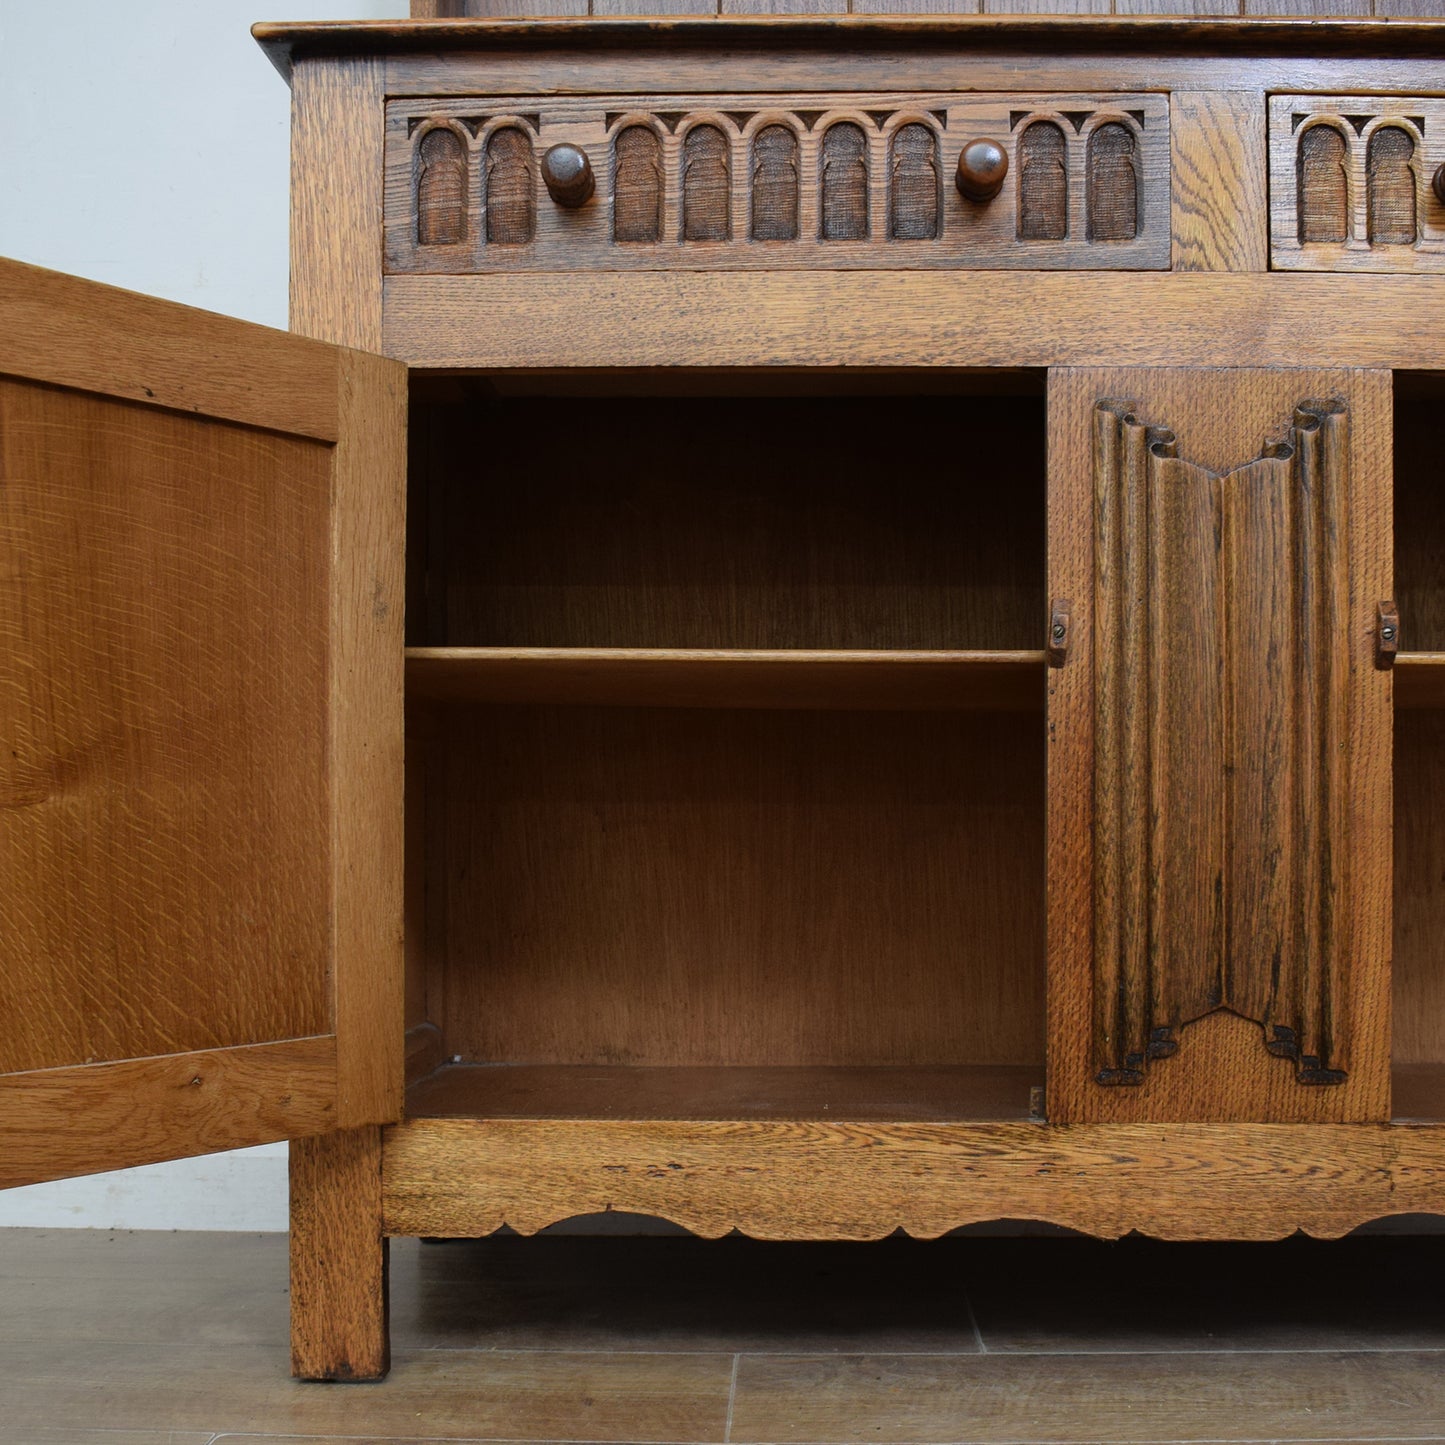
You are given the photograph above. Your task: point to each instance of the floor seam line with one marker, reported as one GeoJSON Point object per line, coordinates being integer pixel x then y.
{"type": "Point", "coordinates": [732, 1397]}
{"type": "Point", "coordinates": [973, 1320]}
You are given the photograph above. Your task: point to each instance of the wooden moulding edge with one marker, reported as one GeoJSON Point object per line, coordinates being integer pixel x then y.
{"type": "Point", "coordinates": [779, 1179]}
{"type": "Point", "coordinates": [1417, 38]}
{"type": "Point", "coordinates": [57, 1123]}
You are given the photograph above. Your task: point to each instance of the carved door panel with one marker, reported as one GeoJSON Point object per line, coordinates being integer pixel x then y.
{"type": "Point", "coordinates": [200, 700]}
{"type": "Point", "coordinates": [1219, 746]}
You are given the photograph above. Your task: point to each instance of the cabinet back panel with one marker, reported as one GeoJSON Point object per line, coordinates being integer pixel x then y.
{"type": "Point", "coordinates": [164, 828]}
{"type": "Point", "coordinates": [757, 522]}
{"type": "Point", "coordinates": [659, 886]}
{"type": "Point", "coordinates": [1419, 524]}
{"type": "Point", "coordinates": [1419, 952]}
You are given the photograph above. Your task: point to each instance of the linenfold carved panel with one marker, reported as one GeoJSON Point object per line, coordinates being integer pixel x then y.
{"type": "Point", "coordinates": [1221, 614]}
{"type": "Point", "coordinates": [1349, 179]}
{"type": "Point", "coordinates": [822, 181]}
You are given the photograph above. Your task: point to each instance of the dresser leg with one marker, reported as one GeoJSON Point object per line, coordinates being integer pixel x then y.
{"type": "Point", "coordinates": [338, 1258]}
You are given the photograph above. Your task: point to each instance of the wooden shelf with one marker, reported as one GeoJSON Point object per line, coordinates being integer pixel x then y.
{"type": "Point", "coordinates": [878, 1094]}
{"type": "Point", "coordinates": [1000, 681]}
{"type": "Point", "coordinates": [1420, 679]}
{"type": "Point", "coordinates": [578, 1091]}
{"type": "Point", "coordinates": [688, 677]}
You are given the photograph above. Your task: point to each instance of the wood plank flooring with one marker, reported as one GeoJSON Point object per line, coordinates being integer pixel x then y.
{"type": "Point", "coordinates": [180, 1339]}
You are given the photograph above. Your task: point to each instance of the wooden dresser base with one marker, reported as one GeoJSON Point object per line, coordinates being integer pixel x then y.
{"type": "Point", "coordinates": [776, 1179]}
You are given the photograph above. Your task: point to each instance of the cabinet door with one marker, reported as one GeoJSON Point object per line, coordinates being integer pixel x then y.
{"type": "Point", "coordinates": [200, 706]}
{"type": "Point", "coordinates": [1219, 746]}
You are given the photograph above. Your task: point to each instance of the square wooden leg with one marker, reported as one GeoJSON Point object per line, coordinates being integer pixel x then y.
{"type": "Point", "coordinates": [338, 1258]}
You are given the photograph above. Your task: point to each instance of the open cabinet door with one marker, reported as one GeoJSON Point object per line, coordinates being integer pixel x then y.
{"type": "Point", "coordinates": [1220, 746]}
{"type": "Point", "coordinates": [201, 533]}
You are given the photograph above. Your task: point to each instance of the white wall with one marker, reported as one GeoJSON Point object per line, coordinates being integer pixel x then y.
{"type": "Point", "coordinates": [146, 144]}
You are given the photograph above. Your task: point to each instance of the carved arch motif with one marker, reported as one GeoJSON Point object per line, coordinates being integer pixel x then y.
{"type": "Point", "coordinates": [637, 184]}
{"type": "Point", "coordinates": [1043, 182]}
{"type": "Point", "coordinates": [844, 182]}
{"type": "Point", "coordinates": [913, 183]}
{"type": "Point", "coordinates": [1112, 177]}
{"type": "Point", "coordinates": [441, 189]}
{"type": "Point", "coordinates": [1324, 186]}
{"type": "Point", "coordinates": [774, 183]}
{"type": "Point", "coordinates": [1220, 844]}
{"type": "Point", "coordinates": [1390, 187]}
{"type": "Point", "coordinates": [706, 184]}
{"type": "Point", "coordinates": [511, 187]}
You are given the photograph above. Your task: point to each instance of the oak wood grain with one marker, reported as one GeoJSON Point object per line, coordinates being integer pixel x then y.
{"type": "Point", "coordinates": [337, 132]}
{"type": "Point", "coordinates": [1419, 930]}
{"type": "Point", "coordinates": [164, 833]}
{"type": "Point", "coordinates": [869, 126]}
{"type": "Point", "coordinates": [809, 529]}
{"type": "Point", "coordinates": [1219, 181]}
{"type": "Point", "coordinates": [55, 1123]}
{"type": "Point", "coordinates": [842, 1180]}
{"type": "Point", "coordinates": [1349, 183]}
{"type": "Point", "coordinates": [366, 739]}
{"type": "Point", "coordinates": [1194, 801]}
{"type": "Point", "coordinates": [826, 319]}
{"type": "Point", "coordinates": [68, 332]}
{"type": "Point", "coordinates": [1419, 531]}
{"type": "Point", "coordinates": [338, 1258]}
{"type": "Point", "coordinates": [1420, 680]}
{"type": "Point", "coordinates": [638, 677]}
{"type": "Point", "coordinates": [620, 1091]}
{"type": "Point", "coordinates": [732, 886]}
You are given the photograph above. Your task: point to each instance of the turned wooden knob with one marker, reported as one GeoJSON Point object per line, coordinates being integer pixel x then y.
{"type": "Point", "coordinates": [568, 174]}
{"type": "Point", "coordinates": [1437, 183]}
{"type": "Point", "coordinates": [981, 169]}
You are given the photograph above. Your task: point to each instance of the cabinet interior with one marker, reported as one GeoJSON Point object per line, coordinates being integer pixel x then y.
{"type": "Point", "coordinates": [1419, 767]}
{"type": "Point", "coordinates": [726, 746]}
{"type": "Point", "coordinates": [726, 749]}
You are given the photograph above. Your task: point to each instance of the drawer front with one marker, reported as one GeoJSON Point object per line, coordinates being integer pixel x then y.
{"type": "Point", "coordinates": [769, 182]}
{"type": "Point", "coordinates": [1350, 182]}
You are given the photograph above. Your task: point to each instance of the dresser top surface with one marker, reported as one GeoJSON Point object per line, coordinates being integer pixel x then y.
{"type": "Point", "coordinates": [1415, 39]}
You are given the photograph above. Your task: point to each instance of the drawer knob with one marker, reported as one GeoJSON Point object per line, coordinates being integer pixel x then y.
{"type": "Point", "coordinates": [1437, 183]}
{"type": "Point", "coordinates": [981, 169]}
{"type": "Point", "coordinates": [568, 174]}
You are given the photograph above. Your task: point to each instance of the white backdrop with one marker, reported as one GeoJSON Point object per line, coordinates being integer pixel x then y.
{"type": "Point", "coordinates": [146, 145]}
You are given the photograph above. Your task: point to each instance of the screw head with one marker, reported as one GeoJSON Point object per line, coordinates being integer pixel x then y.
{"type": "Point", "coordinates": [1388, 633]}
{"type": "Point", "coordinates": [1058, 632]}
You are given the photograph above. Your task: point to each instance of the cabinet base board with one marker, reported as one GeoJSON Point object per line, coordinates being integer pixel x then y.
{"type": "Point", "coordinates": [776, 1179]}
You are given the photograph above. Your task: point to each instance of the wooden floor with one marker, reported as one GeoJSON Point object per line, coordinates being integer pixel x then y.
{"type": "Point", "coordinates": [140, 1339]}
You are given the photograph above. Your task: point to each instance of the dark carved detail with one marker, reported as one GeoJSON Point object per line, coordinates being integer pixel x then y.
{"type": "Point", "coordinates": [441, 190]}
{"type": "Point", "coordinates": [706, 185]}
{"type": "Point", "coordinates": [1113, 184]}
{"type": "Point", "coordinates": [1324, 189]}
{"type": "Point", "coordinates": [1390, 187]}
{"type": "Point", "coordinates": [1043, 183]}
{"type": "Point", "coordinates": [775, 184]}
{"type": "Point", "coordinates": [637, 185]}
{"type": "Point", "coordinates": [913, 183]}
{"type": "Point", "coordinates": [511, 188]}
{"type": "Point", "coordinates": [845, 183]}
{"type": "Point", "coordinates": [1218, 595]}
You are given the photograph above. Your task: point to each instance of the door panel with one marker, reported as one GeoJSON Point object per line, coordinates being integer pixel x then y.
{"type": "Point", "coordinates": [1220, 754]}
{"type": "Point", "coordinates": [190, 656]}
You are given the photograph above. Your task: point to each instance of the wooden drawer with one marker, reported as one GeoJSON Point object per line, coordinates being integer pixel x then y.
{"type": "Point", "coordinates": [826, 182]}
{"type": "Point", "coordinates": [1350, 182]}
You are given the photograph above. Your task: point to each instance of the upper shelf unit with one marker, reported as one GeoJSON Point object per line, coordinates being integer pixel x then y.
{"type": "Point", "coordinates": [816, 181]}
